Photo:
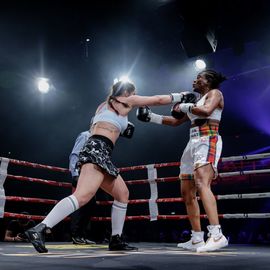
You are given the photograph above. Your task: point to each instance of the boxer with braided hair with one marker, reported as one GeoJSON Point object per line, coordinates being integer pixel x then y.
{"type": "Point", "coordinates": [200, 158]}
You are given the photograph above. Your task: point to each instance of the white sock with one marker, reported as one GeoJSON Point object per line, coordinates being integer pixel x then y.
{"type": "Point", "coordinates": [118, 217]}
{"type": "Point", "coordinates": [214, 230]}
{"type": "Point", "coordinates": [61, 210]}
{"type": "Point", "coordinates": [197, 237]}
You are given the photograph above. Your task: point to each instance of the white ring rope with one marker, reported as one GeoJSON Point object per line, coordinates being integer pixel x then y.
{"type": "Point", "coordinates": [228, 174]}
{"type": "Point", "coordinates": [247, 215]}
{"type": "Point", "coordinates": [243, 196]}
{"type": "Point", "coordinates": [247, 157]}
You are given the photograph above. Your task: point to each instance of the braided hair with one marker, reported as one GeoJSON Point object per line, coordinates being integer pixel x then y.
{"type": "Point", "coordinates": [214, 78]}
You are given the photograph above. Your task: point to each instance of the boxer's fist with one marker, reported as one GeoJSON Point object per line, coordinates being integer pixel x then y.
{"type": "Point", "coordinates": [183, 97]}
{"type": "Point", "coordinates": [188, 97]}
{"type": "Point", "coordinates": [144, 114]}
{"type": "Point", "coordinates": [176, 112]}
{"type": "Point", "coordinates": [128, 132]}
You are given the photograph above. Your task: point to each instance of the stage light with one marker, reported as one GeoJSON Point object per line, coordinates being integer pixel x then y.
{"type": "Point", "coordinates": [200, 64]}
{"type": "Point", "coordinates": [124, 79]}
{"type": "Point", "coordinates": [43, 85]}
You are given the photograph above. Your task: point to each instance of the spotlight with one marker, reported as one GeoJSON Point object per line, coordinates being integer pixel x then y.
{"type": "Point", "coordinates": [200, 64]}
{"type": "Point", "coordinates": [43, 85]}
{"type": "Point", "coordinates": [124, 79]}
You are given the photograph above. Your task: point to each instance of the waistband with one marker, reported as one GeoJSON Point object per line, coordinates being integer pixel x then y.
{"type": "Point", "coordinates": [203, 131]}
{"type": "Point", "coordinates": [104, 139]}
{"type": "Point", "coordinates": [200, 122]}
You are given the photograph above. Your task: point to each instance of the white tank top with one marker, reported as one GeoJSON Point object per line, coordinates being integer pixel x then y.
{"type": "Point", "coordinates": [215, 115]}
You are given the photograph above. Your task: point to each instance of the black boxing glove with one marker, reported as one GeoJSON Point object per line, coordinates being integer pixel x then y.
{"type": "Point", "coordinates": [144, 114]}
{"type": "Point", "coordinates": [176, 112]}
{"type": "Point", "coordinates": [183, 97]}
{"type": "Point", "coordinates": [128, 132]}
{"type": "Point", "coordinates": [188, 97]}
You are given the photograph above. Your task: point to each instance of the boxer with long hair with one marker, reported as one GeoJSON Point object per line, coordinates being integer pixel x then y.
{"type": "Point", "coordinates": [96, 167]}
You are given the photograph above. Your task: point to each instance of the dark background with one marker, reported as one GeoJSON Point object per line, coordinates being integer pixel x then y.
{"type": "Point", "coordinates": [156, 44]}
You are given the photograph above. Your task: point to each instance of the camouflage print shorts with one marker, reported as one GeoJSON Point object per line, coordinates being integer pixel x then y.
{"type": "Point", "coordinates": [98, 150]}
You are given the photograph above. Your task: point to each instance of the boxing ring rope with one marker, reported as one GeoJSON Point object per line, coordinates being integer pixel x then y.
{"type": "Point", "coordinates": [181, 217]}
{"type": "Point", "coordinates": [141, 201]}
{"type": "Point", "coordinates": [34, 165]}
{"type": "Point", "coordinates": [218, 197]}
{"type": "Point", "coordinates": [38, 180]}
{"type": "Point", "coordinates": [224, 159]}
{"type": "Point", "coordinates": [130, 182]}
{"type": "Point", "coordinates": [152, 181]}
{"type": "Point", "coordinates": [221, 175]}
{"type": "Point", "coordinates": [148, 217]}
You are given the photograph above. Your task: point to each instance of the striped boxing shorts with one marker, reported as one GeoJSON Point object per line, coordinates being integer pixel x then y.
{"type": "Point", "coordinates": [204, 147]}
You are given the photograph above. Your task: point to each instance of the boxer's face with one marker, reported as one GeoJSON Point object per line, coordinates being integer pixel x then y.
{"type": "Point", "coordinates": [127, 94]}
{"type": "Point", "coordinates": [200, 83]}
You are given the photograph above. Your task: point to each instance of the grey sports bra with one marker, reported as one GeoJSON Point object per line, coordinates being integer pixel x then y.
{"type": "Point", "coordinates": [106, 115]}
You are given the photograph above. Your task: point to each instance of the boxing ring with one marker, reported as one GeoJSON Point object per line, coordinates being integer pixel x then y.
{"type": "Point", "coordinates": [234, 169]}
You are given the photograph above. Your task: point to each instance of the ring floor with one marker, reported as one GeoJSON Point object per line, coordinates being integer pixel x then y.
{"type": "Point", "coordinates": [150, 256]}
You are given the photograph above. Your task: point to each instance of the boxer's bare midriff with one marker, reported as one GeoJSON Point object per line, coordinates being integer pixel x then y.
{"type": "Point", "coordinates": [107, 130]}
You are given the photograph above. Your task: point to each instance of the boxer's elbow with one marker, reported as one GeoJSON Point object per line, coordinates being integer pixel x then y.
{"type": "Point", "coordinates": [205, 112]}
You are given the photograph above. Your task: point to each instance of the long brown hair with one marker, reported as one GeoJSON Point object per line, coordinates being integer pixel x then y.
{"type": "Point", "coordinates": [118, 89]}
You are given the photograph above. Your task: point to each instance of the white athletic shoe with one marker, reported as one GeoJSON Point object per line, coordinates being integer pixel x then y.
{"type": "Point", "coordinates": [190, 245]}
{"type": "Point", "coordinates": [195, 241]}
{"type": "Point", "coordinates": [214, 243]}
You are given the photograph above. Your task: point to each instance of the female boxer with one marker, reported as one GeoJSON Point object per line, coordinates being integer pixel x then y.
{"type": "Point", "coordinates": [200, 158]}
{"type": "Point", "coordinates": [96, 167]}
